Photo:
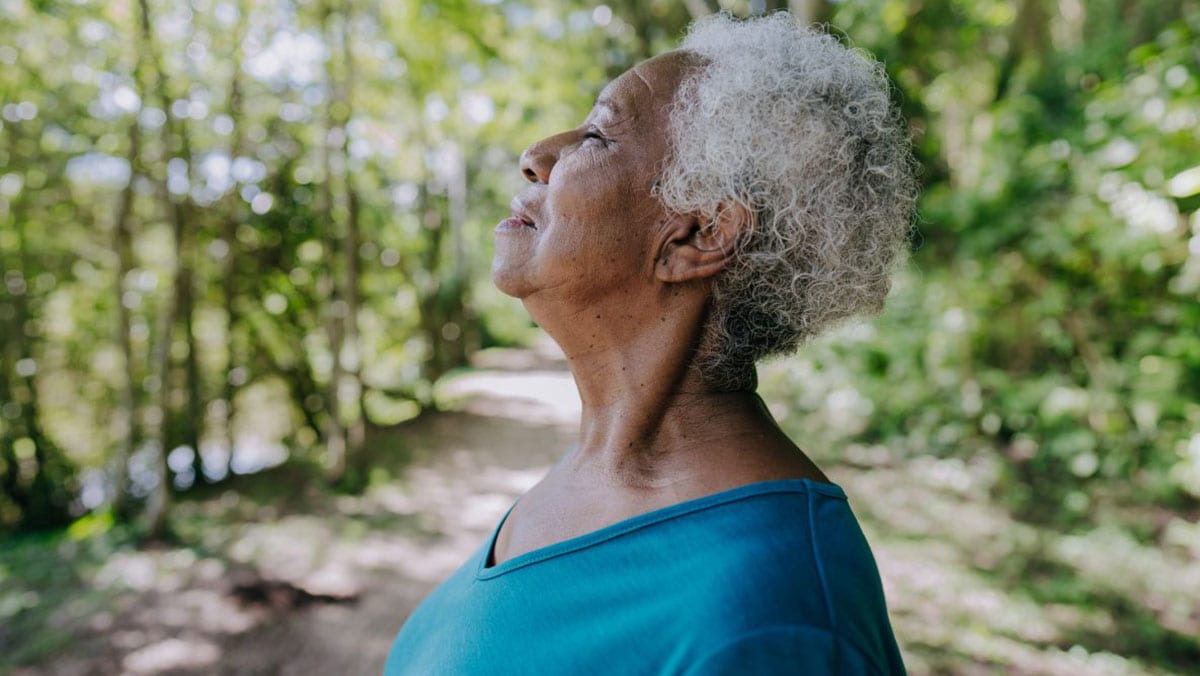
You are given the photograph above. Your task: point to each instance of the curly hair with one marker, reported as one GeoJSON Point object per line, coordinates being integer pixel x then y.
{"type": "Point", "coordinates": [800, 130]}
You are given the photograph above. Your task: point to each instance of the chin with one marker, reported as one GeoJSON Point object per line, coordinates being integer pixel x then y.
{"type": "Point", "coordinates": [511, 265]}
{"type": "Point", "coordinates": [509, 281]}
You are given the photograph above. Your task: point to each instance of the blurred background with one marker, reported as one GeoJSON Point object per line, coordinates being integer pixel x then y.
{"type": "Point", "coordinates": [257, 394]}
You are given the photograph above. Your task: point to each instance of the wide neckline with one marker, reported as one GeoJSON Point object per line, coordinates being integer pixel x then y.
{"type": "Point", "coordinates": [633, 523]}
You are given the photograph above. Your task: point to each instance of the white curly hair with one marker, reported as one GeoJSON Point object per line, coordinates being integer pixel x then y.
{"type": "Point", "coordinates": [800, 130]}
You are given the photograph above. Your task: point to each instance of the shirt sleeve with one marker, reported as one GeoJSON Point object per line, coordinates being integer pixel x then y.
{"type": "Point", "coordinates": [784, 650]}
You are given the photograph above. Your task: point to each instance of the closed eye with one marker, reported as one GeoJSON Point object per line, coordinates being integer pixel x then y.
{"type": "Point", "coordinates": [592, 134]}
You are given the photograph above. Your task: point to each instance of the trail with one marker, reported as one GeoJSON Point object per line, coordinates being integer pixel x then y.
{"type": "Point", "coordinates": [277, 579]}
{"type": "Point", "coordinates": [255, 591]}
{"type": "Point", "coordinates": [468, 468]}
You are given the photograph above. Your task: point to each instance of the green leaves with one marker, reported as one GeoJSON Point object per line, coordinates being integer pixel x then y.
{"type": "Point", "coordinates": [1063, 240]}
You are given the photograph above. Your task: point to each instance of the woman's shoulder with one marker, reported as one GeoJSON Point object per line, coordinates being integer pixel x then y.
{"type": "Point", "coordinates": [785, 520]}
{"type": "Point", "coordinates": [794, 556]}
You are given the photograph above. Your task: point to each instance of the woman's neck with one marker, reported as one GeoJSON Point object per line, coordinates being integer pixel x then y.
{"type": "Point", "coordinates": [650, 418]}
{"type": "Point", "coordinates": [654, 432]}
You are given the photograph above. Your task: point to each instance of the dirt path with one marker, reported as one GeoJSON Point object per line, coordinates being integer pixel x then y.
{"type": "Point", "coordinates": [472, 468]}
{"type": "Point", "coordinates": [260, 587]}
{"type": "Point", "coordinates": [266, 598]}
{"type": "Point", "coordinates": [468, 468]}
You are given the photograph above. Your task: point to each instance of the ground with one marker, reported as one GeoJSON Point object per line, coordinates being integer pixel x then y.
{"type": "Point", "coordinates": [279, 577]}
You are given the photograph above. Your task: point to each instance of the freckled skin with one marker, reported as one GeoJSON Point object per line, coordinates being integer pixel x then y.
{"type": "Point", "coordinates": [623, 286]}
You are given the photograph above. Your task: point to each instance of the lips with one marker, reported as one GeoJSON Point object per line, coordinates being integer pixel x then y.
{"type": "Point", "coordinates": [520, 221]}
{"type": "Point", "coordinates": [521, 214]}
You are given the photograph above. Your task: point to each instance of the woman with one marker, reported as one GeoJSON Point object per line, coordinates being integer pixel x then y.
{"type": "Point", "coordinates": [720, 204]}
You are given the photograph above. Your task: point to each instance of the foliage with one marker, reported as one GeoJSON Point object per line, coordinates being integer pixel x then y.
{"type": "Point", "coordinates": [241, 230]}
{"type": "Point", "coordinates": [235, 233]}
{"type": "Point", "coordinates": [1048, 321]}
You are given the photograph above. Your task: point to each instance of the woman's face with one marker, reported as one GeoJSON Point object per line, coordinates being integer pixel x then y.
{"type": "Point", "coordinates": [588, 225]}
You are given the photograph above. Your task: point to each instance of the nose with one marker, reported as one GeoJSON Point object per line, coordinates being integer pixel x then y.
{"type": "Point", "coordinates": [538, 160]}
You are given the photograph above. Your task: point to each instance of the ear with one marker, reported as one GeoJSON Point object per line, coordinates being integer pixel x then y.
{"type": "Point", "coordinates": [700, 246]}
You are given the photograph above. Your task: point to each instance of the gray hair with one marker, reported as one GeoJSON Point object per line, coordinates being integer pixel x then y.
{"type": "Point", "coordinates": [800, 130]}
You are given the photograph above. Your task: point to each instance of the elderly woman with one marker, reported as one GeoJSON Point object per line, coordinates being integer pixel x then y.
{"type": "Point", "coordinates": [721, 203]}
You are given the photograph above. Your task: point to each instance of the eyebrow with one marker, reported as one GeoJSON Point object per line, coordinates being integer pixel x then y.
{"type": "Point", "coordinates": [606, 102]}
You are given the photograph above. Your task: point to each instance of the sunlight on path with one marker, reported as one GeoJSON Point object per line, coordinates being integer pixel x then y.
{"type": "Point", "coordinates": [537, 397]}
{"type": "Point", "coordinates": [531, 386]}
{"type": "Point", "coordinates": [470, 466]}
{"type": "Point", "coordinates": [311, 583]}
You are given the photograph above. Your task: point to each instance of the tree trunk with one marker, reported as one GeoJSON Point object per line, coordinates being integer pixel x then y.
{"type": "Point", "coordinates": [329, 286]}
{"type": "Point", "coordinates": [178, 302]}
{"type": "Point", "coordinates": [454, 330]}
{"type": "Point", "coordinates": [10, 487]}
{"type": "Point", "coordinates": [357, 432]}
{"type": "Point", "coordinates": [158, 502]}
{"type": "Point", "coordinates": [437, 294]}
{"type": "Point", "coordinates": [805, 11]}
{"type": "Point", "coordinates": [51, 488]}
{"type": "Point", "coordinates": [1027, 40]}
{"type": "Point", "coordinates": [194, 417]}
{"type": "Point", "coordinates": [127, 398]}
{"type": "Point", "coordinates": [39, 483]}
{"type": "Point", "coordinates": [229, 268]}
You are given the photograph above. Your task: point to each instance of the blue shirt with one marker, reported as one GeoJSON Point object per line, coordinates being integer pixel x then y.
{"type": "Point", "coordinates": [768, 578]}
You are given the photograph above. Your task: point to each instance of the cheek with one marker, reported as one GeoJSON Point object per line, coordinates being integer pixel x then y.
{"type": "Point", "coordinates": [605, 195]}
{"type": "Point", "coordinates": [601, 214]}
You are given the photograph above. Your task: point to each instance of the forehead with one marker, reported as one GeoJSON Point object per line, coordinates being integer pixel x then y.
{"type": "Point", "coordinates": [649, 85]}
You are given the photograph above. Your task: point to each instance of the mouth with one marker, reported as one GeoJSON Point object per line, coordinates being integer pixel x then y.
{"type": "Point", "coordinates": [519, 219]}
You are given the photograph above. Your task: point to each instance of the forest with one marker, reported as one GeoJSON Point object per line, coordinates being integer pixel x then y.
{"type": "Point", "coordinates": [251, 238]}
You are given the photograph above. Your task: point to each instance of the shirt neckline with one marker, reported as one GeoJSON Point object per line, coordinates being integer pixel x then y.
{"type": "Point", "coordinates": [633, 523]}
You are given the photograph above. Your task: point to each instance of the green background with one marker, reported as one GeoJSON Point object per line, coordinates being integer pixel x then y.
{"type": "Point", "coordinates": [267, 223]}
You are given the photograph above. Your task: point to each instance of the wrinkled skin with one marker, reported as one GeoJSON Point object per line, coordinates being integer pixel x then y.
{"type": "Point", "coordinates": [623, 286]}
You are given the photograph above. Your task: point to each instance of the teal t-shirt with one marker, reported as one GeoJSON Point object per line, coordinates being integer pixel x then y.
{"type": "Point", "coordinates": [769, 578]}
